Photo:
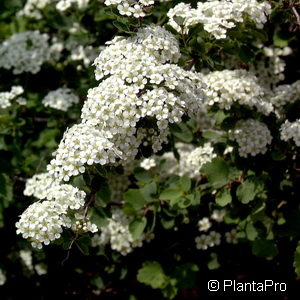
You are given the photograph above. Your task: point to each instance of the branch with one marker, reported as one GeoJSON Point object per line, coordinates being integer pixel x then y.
{"type": "Point", "coordinates": [296, 15]}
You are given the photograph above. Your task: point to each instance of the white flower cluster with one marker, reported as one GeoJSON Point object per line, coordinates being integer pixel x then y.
{"type": "Point", "coordinates": [86, 54]}
{"type": "Point", "coordinates": [41, 269]}
{"type": "Point", "coordinates": [219, 16]}
{"type": "Point", "coordinates": [231, 236]}
{"type": "Point", "coordinates": [34, 8]}
{"type": "Point", "coordinates": [83, 224]}
{"type": "Point", "coordinates": [148, 163]}
{"type": "Point", "coordinates": [117, 234]}
{"type": "Point", "coordinates": [270, 67]}
{"type": "Point", "coordinates": [122, 100]}
{"type": "Point", "coordinates": [286, 93]}
{"type": "Point", "coordinates": [81, 144]}
{"type": "Point", "coordinates": [218, 215]}
{"type": "Point", "coordinates": [131, 8]}
{"type": "Point", "coordinates": [204, 241]}
{"type": "Point", "coordinates": [198, 157]}
{"type": "Point", "coordinates": [7, 97]}
{"type": "Point", "coordinates": [191, 160]}
{"type": "Point", "coordinates": [204, 224]}
{"type": "Point", "coordinates": [26, 257]}
{"type": "Point", "coordinates": [25, 52]}
{"type": "Point", "coordinates": [108, 131]}
{"type": "Point", "coordinates": [190, 163]}
{"type": "Point", "coordinates": [61, 99]}
{"type": "Point", "coordinates": [213, 238]}
{"type": "Point", "coordinates": [2, 277]}
{"type": "Point", "coordinates": [63, 5]}
{"type": "Point", "coordinates": [43, 222]}
{"type": "Point", "coordinates": [291, 130]}
{"type": "Point", "coordinates": [252, 137]}
{"type": "Point", "coordinates": [227, 87]}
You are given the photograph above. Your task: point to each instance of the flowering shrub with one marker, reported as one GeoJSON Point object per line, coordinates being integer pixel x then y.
{"type": "Point", "coordinates": [147, 146]}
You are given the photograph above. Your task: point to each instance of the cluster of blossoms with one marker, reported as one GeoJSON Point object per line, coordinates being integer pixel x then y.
{"type": "Point", "coordinates": [118, 235]}
{"type": "Point", "coordinates": [190, 163]}
{"type": "Point", "coordinates": [25, 52]}
{"type": "Point", "coordinates": [252, 137]}
{"type": "Point", "coordinates": [2, 277]}
{"type": "Point", "coordinates": [82, 144]}
{"type": "Point", "coordinates": [43, 222]}
{"type": "Point", "coordinates": [213, 238]}
{"type": "Point", "coordinates": [85, 54]}
{"type": "Point", "coordinates": [204, 241]}
{"type": "Point", "coordinates": [218, 17]}
{"type": "Point", "coordinates": [26, 257]}
{"type": "Point", "coordinates": [41, 269]}
{"type": "Point", "coordinates": [61, 99]}
{"type": "Point", "coordinates": [148, 163]}
{"type": "Point", "coordinates": [217, 215]}
{"type": "Point", "coordinates": [123, 100]}
{"type": "Point", "coordinates": [204, 224]}
{"type": "Point", "coordinates": [291, 130]}
{"type": "Point", "coordinates": [34, 8]}
{"type": "Point", "coordinates": [269, 68]}
{"type": "Point", "coordinates": [286, 93]}
{"type": "Point", "coordinates": [134, 8]}
{"type": "Point", "coordinates": [110, 115]}
{"type": "Point", "coordinates": [224, 88]}
{"type": "Point", "coordinates": [7, 97]}
{"type": "Point", "coordinates": [231, 236]}
{"type": "Point", "coordinates": [63, 5]}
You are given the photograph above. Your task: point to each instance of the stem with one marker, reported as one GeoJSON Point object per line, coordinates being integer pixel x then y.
{"type": "Point", "coordinates": [191, 64]}
{"type": "Point", "coordinates": [296, 15]}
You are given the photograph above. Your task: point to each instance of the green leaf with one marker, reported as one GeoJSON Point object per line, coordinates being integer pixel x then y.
{"type": "Point", "coordinates": [6, 189]}
{"type": "Point", "coordinates": [101, 170]}
{"type": "Point", "coordinates": [223, 197]}
{"type": "Point", "coordinates": [119, 25]}
{"type": "Point", "coordinates": [217, 172]}
{"type": "Point", "coordinates": [264, 248]}
{"type": "Point", "coordinates": [99, 217]}
{"type": "Point", "coordinates": [135, 198]}
{"type": "Point", "coordinates": [209, 134]}
{"type": "Point", "coordinates": [249, 189]}
{"type": "Point", "coordinates": [251, 232]}
{"type": "Point", "coordinates": [137, 226]}
{"type": "Point", "coordinates": [170, 194]}
{"type": "Point", "coordinates": [149, 191]}
{"type": "Point", "coordinates": [2, 185]}
{"type": "Point", "coordinates": [182, 132]}
{"type": "Point", "coordinates": [167, 223]}
{"type": "Point", "coordinates": [142, 175]}
{"type": "Point", "coordinates": [170, 291]}
{"type": "Point", "coordinates": [246, 54]}
{"type": "Point", "coordinates": [213, 264]}
{"type": "Point", "coordinates": [153, 275]}
{"type": "Point", "coordinates": [185, 183]}
{"type": "Point", "coordinates": [83, 244]}
{"type": "Point", "coordinates": [280, 39]}
{"type": "Point", "coordinates": [246, 191]}
{"type": "Point", "coordinates": [296, 263]}
{"type": "Point", "coordinates": [185, 275]}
